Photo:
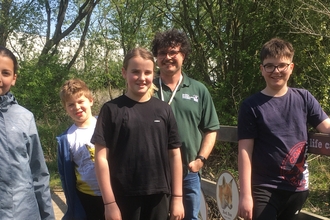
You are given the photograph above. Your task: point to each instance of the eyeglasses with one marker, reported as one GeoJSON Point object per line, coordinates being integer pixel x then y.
{"type": "Point", "coordinates": [270, 68]}
{"type": "Point", "coordinates": [171, 54]}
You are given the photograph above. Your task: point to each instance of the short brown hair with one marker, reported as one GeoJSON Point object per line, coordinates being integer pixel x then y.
{"type": "Point", "coordinates": [276, 48]}
{"type": "Point", "coordinates": [74, 87]}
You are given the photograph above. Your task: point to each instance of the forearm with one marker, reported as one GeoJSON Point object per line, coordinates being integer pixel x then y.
{"type": "Point", "coordinates": [205, 151]}
{"type": "Point", "coordinates": [40, 176]}
{"type": "Point", "coordinates": [176, 208]}
{"type": "Point", "coordinates": [244, 170]}
{"type": "Point", "coordinates": [103, 173]}
{"type": "Point", "coordinates": [176, 171]}
{"type": "Point", "coordinates": [245, 149]}
{"type": "Point", "coordinates": [208, 143]}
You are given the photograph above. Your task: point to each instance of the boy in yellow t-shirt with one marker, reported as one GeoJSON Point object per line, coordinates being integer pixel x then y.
{"type": "Point", "coordinates": [76, 154]}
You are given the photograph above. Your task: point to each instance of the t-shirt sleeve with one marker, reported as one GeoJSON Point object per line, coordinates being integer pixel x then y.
{"type": "Point", "coordinates": [173, 132]}
{"type": "Point", "coordinates": [99, 136]}
{"type": "Point", "coordinates": [247, 124]}
{"type": "Point", "coordinates": [315, 112]}
{"type": "Point", "coordinates": [209, 120]}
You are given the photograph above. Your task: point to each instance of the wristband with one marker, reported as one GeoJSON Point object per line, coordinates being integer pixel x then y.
{"type": "Point", "coordinates": [203, 159]}
{"type": "Point", "coordinates": [109, 203]}
{"type": "Point", "coordinates": [176, 195]}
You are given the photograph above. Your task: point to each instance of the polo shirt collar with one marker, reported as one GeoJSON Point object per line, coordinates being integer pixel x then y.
{"type": "Point", "coordinates": [185, 81]}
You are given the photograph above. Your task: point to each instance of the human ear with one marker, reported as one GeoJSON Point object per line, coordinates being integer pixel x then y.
{"type": "Point", "coordinates": [123, 72]}
{"type": "Point", "coordinates": [14, 79]}
{"type": "Point", "coordinates": [292, 66]}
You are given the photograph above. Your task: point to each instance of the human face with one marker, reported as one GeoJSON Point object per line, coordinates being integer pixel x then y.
{"type": "Point", "coordinates": [7, 75]}
{"type": "Point", "coordinates": [278, 79]}
{"type": "Point", "coordinates": [139, 75]}
{"type": "Point", "coordinates": [79, 109]}
{"type": "Point", "coordinates": [170, 60]}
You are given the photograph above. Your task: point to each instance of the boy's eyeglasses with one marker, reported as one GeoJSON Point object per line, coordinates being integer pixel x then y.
{"type": "Point", "coordinates": [171, 54]}
{"type": "Point", "coordinates": [270, 68]}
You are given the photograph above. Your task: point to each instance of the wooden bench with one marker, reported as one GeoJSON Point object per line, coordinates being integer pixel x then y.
{"type": "Point", "coordinates": [318, 144]}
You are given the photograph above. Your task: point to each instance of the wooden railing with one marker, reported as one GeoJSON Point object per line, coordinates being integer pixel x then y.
{"type": "Point", "coordinates": [318, 144]}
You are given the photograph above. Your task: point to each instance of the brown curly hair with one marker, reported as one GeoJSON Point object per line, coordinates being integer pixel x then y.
{"type": "Point", "coordinates": [171, 38]}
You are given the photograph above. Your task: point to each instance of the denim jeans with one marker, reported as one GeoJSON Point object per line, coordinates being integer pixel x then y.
{"type": "Point", "coordinates": [191, 192]}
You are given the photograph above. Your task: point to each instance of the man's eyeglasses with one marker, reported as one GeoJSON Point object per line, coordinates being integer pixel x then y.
{"type": "Point", "coordinates": [171, 54]}
{"type": "Point", "coordinates": [270, 68]}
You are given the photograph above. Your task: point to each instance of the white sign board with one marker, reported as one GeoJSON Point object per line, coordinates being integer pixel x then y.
{"type": "Point", "coordinates": [227, 196]}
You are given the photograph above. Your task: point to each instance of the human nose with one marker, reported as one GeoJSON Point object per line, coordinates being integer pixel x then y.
{"type": "Point", "coordinates": [142, 76]}
{"type": "Point", "coordinates": [77, 106]}
{"type": "Point", "coordinates": [276, 68]}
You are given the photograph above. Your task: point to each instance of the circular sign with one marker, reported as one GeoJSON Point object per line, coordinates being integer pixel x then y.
{"type": "Point", "coordinates": [227, 196]}
{"type": "Point", "coordinates": [203, 209]}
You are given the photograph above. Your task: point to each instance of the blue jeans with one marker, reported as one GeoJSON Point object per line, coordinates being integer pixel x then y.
{"type": "Point", "coordinates": [191, 192]}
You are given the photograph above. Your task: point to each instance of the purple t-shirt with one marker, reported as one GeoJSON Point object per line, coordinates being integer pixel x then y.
{"type": "Point", "coordinates": [278, 126]}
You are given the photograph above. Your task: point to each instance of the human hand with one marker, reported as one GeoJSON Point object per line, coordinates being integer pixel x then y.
{"type": "Point", "coordinates": [195, 165]}
{"type": "Point", "coordinates": [112, 212]}
{"type": "Point", "coordinates": [176, 209]}
{"type": "Point", "coordinates": [245, 207]}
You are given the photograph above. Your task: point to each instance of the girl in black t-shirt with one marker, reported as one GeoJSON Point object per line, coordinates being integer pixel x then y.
{"type": "Point", "coordinates": [137, 158]}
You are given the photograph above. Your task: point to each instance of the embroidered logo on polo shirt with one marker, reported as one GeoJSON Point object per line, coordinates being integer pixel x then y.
{"type": "Point", "coordinates": [157, 121]}
{"type": "Point", "coordinates": [190, 97]}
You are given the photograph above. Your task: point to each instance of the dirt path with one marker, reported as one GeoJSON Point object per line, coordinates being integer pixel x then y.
{"type": "Point", "coordinates": [59, 204]}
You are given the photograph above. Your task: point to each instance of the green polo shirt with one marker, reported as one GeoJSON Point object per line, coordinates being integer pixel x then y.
{"type": "Point", "coordinates": [194, 112]}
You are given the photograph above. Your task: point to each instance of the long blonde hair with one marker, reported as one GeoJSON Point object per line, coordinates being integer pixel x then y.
{"type": "Point", "coordinates": [145, 54]}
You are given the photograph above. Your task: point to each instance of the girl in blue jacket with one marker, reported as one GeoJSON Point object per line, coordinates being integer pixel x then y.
{"type": "Point", "coordinates": [24, 177]}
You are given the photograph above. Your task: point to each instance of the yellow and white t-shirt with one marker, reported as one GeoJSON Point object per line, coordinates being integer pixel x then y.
{"type": "Point", "coordinates": [82, 151]}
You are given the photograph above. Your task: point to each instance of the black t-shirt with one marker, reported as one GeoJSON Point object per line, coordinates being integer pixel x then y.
{"type": "Point", "coordinates": [138, 136]}
{"type": "Point", "coordinates": [278, 126]}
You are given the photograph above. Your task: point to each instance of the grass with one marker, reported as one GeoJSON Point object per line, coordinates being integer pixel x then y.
{"type": "Point", "coordinates": [55, 181]}
{"type": "Point", "coordinates": [318, 201]}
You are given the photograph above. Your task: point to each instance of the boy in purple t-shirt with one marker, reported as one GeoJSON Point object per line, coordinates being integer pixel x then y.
{"type": "Point", "coordinates": [272, 134]}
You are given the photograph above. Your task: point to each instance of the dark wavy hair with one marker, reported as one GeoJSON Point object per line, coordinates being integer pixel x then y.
{"type": "Point", "coordinates": [171, 38]}
{"type": "Point", "coordinates": [7, 53]}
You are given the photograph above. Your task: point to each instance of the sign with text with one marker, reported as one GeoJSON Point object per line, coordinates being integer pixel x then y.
{"type": "Point", "coordinates": [319, 143]}
{"type": "Point", "coordinates": [227, 196]}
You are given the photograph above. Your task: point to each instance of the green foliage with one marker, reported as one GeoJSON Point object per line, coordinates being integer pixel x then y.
{"type": "Point", "coordinates": [54, 181]}
{"type": "Point", "coordinates": [37, 88]}
{"type": "Point", "coordinates": [47, 133]}
{"type": "Point", "coordinates": [48, 130]}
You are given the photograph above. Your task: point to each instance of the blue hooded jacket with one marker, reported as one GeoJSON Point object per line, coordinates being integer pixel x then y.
{"type": "Point", "coordinates": [66, 169]}
{"type": "Point", "coordinates": [24, 177]}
